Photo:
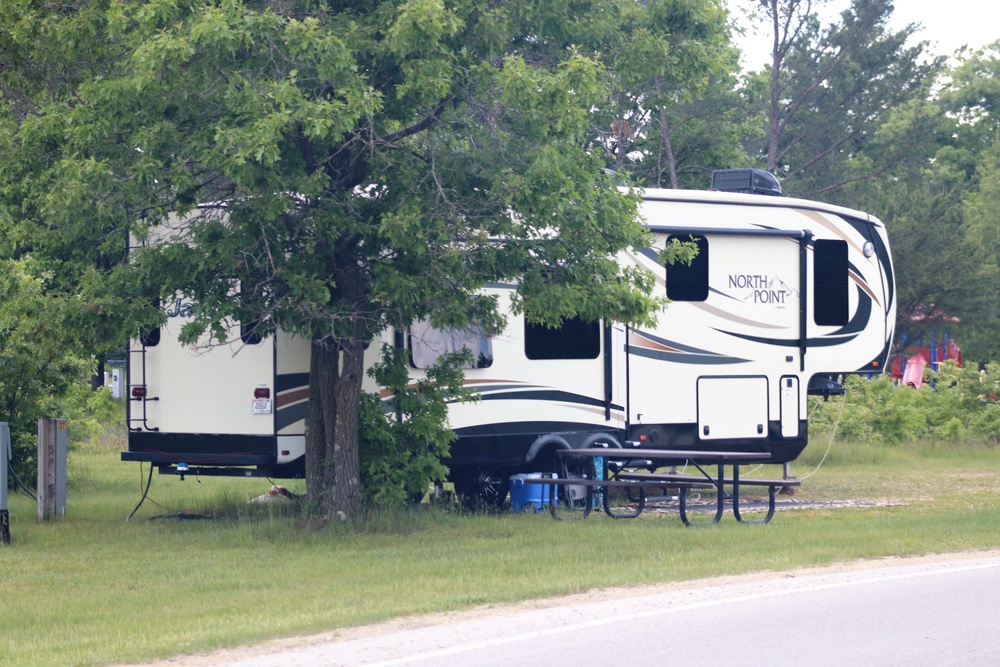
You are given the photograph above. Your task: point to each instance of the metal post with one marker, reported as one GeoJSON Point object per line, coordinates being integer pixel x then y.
{"type": "Point", "coordinates": [51, 468]}
{"type": "Point", "coordinates": [5, 455]}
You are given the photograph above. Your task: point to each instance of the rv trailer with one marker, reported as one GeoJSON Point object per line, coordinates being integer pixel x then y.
{"type": "Point", "coordinates": [783, 298]}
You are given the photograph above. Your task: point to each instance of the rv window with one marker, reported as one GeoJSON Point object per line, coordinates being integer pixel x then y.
{"type": "Point", "coordinates": [149, 338]}
{"type": "Point", "coordinates": [575, 339]}
{"type": "Point", "coordinates": [830, 282]}
{"type": "Point", "coordinates": [689, 282]}
{"type": "Point", "coordinates": [427, 344]}
{"type": "Point", "coordinates": [249, 334]}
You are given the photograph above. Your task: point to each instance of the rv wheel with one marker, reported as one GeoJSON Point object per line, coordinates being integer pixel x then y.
{"type": "Point", "coordinates": [482, 486]}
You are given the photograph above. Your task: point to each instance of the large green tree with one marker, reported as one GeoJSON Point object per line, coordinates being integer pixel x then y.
{"type": "Point", "coordinates": [942, 273]}
{"type": "Point", "coordinates": [970, 100]}
{"type": "Point", "coordinates": [46, 54]}
{"type": "Point", "coordinates": [56, 316]}
{"type": "Point", "coordinates": [939, 206]}
{"type": "Point", "coordinates": [830, 87]}
{"type": "Point", "coordinates": [39, 358]}
{"type": "Point", "coordinates": [357, 165]}
{"type": "Point", "coordinates": [674, 109]}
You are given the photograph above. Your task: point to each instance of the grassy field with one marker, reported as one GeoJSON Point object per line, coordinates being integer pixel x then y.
{"type": "Point", "coordinates": [92, 589]}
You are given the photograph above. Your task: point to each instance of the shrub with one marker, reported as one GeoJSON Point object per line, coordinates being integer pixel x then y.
{"type": "Point", "coordinates": [37, 367]}
{"type": "Point", "coordinates": [95, 418]}
{"type": "Point", "coordinates": [405, 437]}
{"type": "Point", "coordinates": [953, 405]}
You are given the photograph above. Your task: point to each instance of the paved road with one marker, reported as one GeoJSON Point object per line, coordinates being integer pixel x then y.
{"type": "Point", "coordinates": [924, 613]}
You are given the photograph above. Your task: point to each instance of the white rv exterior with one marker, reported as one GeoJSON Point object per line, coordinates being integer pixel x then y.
{"type": "Point", "coordinates": [785, 295]}
{"type": "Point", "coordinates": [237, 404]}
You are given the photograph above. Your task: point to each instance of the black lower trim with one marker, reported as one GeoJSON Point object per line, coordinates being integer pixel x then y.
{"type": "Point", "coordinates": [200, 458]}
{"type": "Point", "coordinates": [685, 436]}
{"type": "Point", "coordinates": [508, 444]}
{"type": "Point", "coordinates": [203, 449]}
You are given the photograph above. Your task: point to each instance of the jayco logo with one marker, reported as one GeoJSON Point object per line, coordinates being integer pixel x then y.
{"type": "Point", "coordinates": [761, 288]}
{"type": "Point", "coordinates": [180, 308]}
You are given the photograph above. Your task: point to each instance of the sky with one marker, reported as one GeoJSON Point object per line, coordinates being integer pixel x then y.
{"type": "Point", "coordinates": [947, 24]}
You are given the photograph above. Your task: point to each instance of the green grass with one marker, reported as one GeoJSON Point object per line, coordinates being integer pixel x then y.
{"type": "Point", "coordinates": [91, 589]}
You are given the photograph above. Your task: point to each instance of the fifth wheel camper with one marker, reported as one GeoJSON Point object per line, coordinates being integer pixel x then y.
{"type": "Point", "coordinates": [783, 298]}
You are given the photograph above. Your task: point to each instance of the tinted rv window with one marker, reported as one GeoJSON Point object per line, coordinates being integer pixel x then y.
{"type": "Point", "coordinates": [575, 339]}
{"type": "Point", "coordinates": [830, 282]}
{"type": "Point", "coordinates": [427, 344]}
{"type": "Point", "coordinates": [249, 334]}
{"type": "Point", "coordinates": [689, 282]}
{"type": "Point", "coordinates": [149, 338]}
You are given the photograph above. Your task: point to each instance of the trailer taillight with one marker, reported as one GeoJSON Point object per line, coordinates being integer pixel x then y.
{"type": "Point", "coordinates": [261, 403]}
{"type": "Point", "coordinates": [138, 392]}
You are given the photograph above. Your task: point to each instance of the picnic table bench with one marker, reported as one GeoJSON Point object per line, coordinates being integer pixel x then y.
{"type": "Point", "coordinates": [686, 482]}
{"type": "Point", "coordinates": [622, 471]}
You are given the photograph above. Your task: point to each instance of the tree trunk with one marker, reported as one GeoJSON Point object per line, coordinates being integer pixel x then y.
{"type": "Point", "coordinates": [346, 466]}
{"type": "Point", "coordinates": [336, 371]}
{"type": "Point", "coordinates": [321, 415]}
{"type": "Point", "coordinates": [333, 470]}
{"type": "Point", "coordinates": [774, 103]}
{"type": "Point", "coordinates": [667, 145]}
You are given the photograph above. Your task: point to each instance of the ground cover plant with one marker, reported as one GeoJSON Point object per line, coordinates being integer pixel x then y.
{"type": "Point", "coordinates": [954, 404]}
{"type": "Point", "coordinates": [93, 589]}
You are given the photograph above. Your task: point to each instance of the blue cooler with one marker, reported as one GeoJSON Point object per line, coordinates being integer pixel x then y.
{"type": "Point", "coordinates": [523, 496]}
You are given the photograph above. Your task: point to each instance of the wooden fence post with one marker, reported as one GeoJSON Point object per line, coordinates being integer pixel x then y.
{"type": "Point", "coordinates": [51, 468]}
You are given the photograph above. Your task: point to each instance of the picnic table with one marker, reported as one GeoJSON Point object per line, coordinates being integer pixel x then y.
{"type": "Point", "coordinates": [634, 469]}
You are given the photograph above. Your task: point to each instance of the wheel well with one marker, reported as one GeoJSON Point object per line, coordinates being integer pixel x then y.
{"type": "Point", "coordinates": [542, 454]}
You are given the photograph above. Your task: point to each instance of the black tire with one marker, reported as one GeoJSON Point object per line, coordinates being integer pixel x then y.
{"type": "Point", "coordinates": [484, 486]}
